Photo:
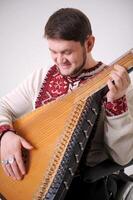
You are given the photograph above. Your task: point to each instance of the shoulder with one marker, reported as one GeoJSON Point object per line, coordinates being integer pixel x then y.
{"type": "Point", "coordinates": [37, 77]}
{"type": "Point", "coordinates": [38, 74]}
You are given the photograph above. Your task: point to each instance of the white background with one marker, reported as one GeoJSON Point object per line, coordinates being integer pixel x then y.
{"type": "Point", "coordinates": [23, 48]}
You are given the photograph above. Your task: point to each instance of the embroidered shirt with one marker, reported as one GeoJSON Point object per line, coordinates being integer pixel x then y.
{"type": "Point", "coordinates": [55, 85]}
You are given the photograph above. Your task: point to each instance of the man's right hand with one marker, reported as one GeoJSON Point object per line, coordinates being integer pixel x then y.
{"type": "Point", "coordinates": [11, 154]}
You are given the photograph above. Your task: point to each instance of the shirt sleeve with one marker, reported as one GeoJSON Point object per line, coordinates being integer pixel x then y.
{"type": "Point", "coordinates": [116, 107]}
{"type": "Point", "coordinates": [21, 100]}
{"type": "Point", "coordinates": [119, 133]}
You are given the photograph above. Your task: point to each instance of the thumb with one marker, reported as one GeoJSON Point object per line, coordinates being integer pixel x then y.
{"type": "Point", "coordinates": [26, 144]}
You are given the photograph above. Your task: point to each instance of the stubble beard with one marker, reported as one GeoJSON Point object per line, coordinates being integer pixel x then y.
{"type": "Point", "coordinates": [78, 70]}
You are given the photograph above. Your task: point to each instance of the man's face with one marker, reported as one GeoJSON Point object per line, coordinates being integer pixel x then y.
{"type": "Point", "coordinates": [69, 56]}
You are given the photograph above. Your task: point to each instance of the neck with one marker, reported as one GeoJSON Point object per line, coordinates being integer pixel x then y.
{"type": "Point", "coordinates": [90, 62]}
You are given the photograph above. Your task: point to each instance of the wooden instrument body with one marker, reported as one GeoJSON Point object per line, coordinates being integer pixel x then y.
{"type": "Point", "coordinates": [51, 125]}
{"type": "Point", "coordinates": [49, 129]}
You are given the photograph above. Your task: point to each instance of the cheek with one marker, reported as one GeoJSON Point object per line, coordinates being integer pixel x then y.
{"type": "Point", "coordinates": [76, 59]}
{"type": "Point", "coordinates": [53, 56]}
{"type": "Point", "coordinates": [72, 59]}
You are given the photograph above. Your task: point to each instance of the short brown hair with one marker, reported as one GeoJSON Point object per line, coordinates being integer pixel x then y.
{"type": "Point", "coordinates": [68, 24]}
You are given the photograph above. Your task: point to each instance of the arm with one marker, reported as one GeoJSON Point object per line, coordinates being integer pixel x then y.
{"type": "Point", "coordinates": [119, 125]}
{"type": "Point", "coordinates": [22, 99]}
{"type": "Point", "coordinates": [13, 105]}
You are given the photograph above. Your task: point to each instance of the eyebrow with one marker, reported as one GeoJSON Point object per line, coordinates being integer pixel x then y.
{"type": "Point", "coordinates": [65, 50]}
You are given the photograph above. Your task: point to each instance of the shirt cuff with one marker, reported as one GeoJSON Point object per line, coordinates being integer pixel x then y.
{"type": "Point", "coordinates": [4, 128]}
{"type": "Point", "coordinates": [116, 107]}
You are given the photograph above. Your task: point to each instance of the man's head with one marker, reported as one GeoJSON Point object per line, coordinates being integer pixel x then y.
{"type": "Point", "coordinates": [70, 39]}
{"type": "Point", "coordinates": [68, 24]}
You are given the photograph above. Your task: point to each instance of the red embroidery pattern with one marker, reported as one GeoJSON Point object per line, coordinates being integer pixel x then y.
{"type": "Point", "coordinates": [4, 128]}
{"type": "Point", "coordinates": [116, 107]}
{"type": "Point", "coordinates": [54, 86]}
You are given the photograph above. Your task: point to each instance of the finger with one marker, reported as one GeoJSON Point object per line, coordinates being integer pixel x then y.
{"type": "Point", "coordinates": [10, 171]}
{"type": "Point", "coordinates": [119, 68]}
{"type": "Point", "coordinates": [20, 163]}
{"type": "Point", "coordinates": [26, 144]}
{"type": "Point", "coordinates": [119, 84]}
{"type": "Point", "coordinates": [112, 91]}
{"type": "Point", "coordinates": [111, 86]}
{"type": "Point", "coordinates": [122, 82]}
{"type": "Point", "coordinates": [16, 170]}
{"type": "Point", "coordinates": [5, 170]}
{"type": "Point", "coordinates": [122, 72]}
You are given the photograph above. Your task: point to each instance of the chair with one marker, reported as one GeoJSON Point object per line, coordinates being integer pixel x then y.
{"type": "Point", "coordinates": [111, 171]}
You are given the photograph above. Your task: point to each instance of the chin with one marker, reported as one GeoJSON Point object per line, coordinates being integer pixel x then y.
{"type": "Point", "coordinates": [65, 73]}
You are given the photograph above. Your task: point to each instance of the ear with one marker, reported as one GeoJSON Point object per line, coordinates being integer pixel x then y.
{"type": "Point", "coordinates": [89, 43]}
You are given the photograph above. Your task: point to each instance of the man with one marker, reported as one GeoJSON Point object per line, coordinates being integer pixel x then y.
{"type": "Point", "coordinates": [70, 40]}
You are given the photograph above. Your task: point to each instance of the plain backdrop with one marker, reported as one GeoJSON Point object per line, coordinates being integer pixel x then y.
{"type": "Point", "coordinates": [23, 48]}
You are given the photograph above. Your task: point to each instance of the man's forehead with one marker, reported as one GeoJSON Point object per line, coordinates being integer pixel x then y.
{"type": "Point", "coordinates": [61, 45]}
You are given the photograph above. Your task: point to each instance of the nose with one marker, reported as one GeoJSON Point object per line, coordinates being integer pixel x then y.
{"type": "Point", "coordinates": [60, 59]}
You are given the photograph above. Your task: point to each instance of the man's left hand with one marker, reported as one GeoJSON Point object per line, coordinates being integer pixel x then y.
{"type": "Point", "coordinates": [118, 83]}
